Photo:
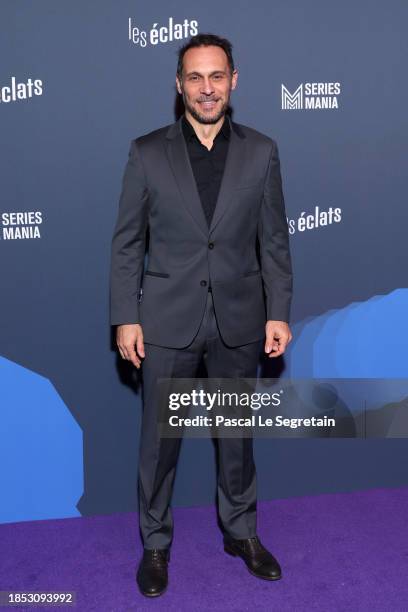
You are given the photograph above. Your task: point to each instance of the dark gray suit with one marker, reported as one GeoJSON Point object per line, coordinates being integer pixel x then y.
{"type": "Point", "coordinates": [182, 321]}
{"type": "Point", "coordinates": [185, 255]}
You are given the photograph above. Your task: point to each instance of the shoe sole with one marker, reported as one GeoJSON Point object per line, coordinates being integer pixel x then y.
{"type": "Point", "coordinates": [152, 595]}
{"type": "Point", "coordinates": [231, 552]}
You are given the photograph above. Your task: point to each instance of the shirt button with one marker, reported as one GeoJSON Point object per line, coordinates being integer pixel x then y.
{"type": "Point", "coordinates": [203, 283]}
{"type": "Point", "coordinates": [210, 245]}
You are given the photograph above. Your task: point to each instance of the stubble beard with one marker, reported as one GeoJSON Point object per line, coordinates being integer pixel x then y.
{"type": "Point", "coordinates": [208, 120]}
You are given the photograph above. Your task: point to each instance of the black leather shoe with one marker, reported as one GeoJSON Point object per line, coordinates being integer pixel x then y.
{"type": "Point", "coordinates": [259, 561]}
{"type": "Point", "coordinates": [152, 573]}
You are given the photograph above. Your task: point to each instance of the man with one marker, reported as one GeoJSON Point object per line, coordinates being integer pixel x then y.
{"type": "Point", "coordinates": [206, 189]}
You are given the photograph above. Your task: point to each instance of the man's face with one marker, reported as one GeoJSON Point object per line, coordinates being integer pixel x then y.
{"type": "Point", "coordinates": [206, 83]}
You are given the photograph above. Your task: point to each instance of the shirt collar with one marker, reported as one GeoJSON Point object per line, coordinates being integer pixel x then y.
{"type": "Point", "coordinates": [189, 131]}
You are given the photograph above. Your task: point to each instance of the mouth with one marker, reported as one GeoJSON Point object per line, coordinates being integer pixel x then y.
{"type": "Point", "coordinates": [208, 104]}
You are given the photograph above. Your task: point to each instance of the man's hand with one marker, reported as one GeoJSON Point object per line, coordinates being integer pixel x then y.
{"type": "Point", "coordinates": [128, 337]}
{"type": "Point", "coordinates": [278, 337]}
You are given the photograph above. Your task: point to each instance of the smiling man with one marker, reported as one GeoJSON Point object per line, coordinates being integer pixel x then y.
{"type": "Point", "coordinates": [208, 190]}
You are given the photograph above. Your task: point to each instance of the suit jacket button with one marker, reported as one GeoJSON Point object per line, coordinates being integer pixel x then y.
{"type": "Point", "coordinates": [210, 245]}
{"type": "Point", "coordinates": [203, 283]}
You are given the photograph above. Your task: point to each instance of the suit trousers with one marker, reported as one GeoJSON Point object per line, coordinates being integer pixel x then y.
{"type": "Point", "coordinates": [236, 480]}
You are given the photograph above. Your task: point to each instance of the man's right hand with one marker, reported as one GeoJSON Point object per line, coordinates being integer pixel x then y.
{"type": "Point", "coordinates": [128, 337]}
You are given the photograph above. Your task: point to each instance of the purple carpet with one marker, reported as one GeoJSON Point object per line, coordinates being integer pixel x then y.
{"type": "Point", "coordinates": [347, 551]}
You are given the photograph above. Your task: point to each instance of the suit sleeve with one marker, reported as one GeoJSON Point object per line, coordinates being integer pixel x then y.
{"type": "Point", "coordinates": [128, 242]}
{"type": "Point", "coordinates": [273, 237]}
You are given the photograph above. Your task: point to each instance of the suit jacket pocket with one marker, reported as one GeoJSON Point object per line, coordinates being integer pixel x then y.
{"type": "Point", "coordinates": [159, 274]}
{"type": "Point", "coordinates": [252, 273]}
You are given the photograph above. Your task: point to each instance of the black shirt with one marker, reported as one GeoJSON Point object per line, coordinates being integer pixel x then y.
{"type": "Point", "coordinates": [208, 165]}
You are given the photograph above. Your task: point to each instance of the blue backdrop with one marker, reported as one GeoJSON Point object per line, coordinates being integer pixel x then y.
{"type": "Point", "coordinates": [78, 81]}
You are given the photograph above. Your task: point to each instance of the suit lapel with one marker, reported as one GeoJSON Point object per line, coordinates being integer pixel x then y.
{"type": "Point", "coordinates": [179, 160]}
{"type": "Point", "coordinates": [234, 166]}
{"type": "Point", "coordinates": [180, 163]}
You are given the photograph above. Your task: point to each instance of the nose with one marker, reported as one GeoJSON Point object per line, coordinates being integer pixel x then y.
{"type": "Point", "coordinates": [206, 87]}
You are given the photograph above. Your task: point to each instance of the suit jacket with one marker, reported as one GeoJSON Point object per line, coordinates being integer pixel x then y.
{"type": "Point", "coordinates": [159, 196]}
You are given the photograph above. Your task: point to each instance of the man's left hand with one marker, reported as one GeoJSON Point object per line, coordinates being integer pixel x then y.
{"type": "Point", "coordinates": [278, 336]}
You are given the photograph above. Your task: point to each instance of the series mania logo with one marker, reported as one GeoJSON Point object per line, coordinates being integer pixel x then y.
{"type": "Point", "coordinates": [314, 96]}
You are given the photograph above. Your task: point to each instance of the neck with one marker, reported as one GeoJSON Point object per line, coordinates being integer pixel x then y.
{"type": "Point", "coordinates": [205, 131]}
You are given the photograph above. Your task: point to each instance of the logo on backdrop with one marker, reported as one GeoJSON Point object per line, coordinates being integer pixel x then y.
{"type": "Point", "coordinates": [311, 96]}
{"type": "Point", "coordinates": [15, 91]}
{"type": "Point", "coordinates": [314, 220]}
{"type": "Point", "coordinates": [162, 33]}
{"type": "Point", "coordinates": [21, 225]}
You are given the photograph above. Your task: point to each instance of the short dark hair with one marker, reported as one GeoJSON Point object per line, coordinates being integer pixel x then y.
{"type": "Point", "coordinates": [205, 40]}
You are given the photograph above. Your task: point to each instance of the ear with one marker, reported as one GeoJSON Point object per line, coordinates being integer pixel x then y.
{"type": "Point", "coordinates": [234, 79]}
{"type": "Point", "coordinates": [178, 85]}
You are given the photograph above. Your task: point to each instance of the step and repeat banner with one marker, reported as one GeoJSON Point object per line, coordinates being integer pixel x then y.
{"type": "Point", "coordinates": [79, 81]}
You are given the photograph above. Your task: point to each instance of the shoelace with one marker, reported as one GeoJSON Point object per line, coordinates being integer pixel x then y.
{"type": "Point", "coordinates": [254, 545]}
{"type": "Point", "coordinates": [156, 557]}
